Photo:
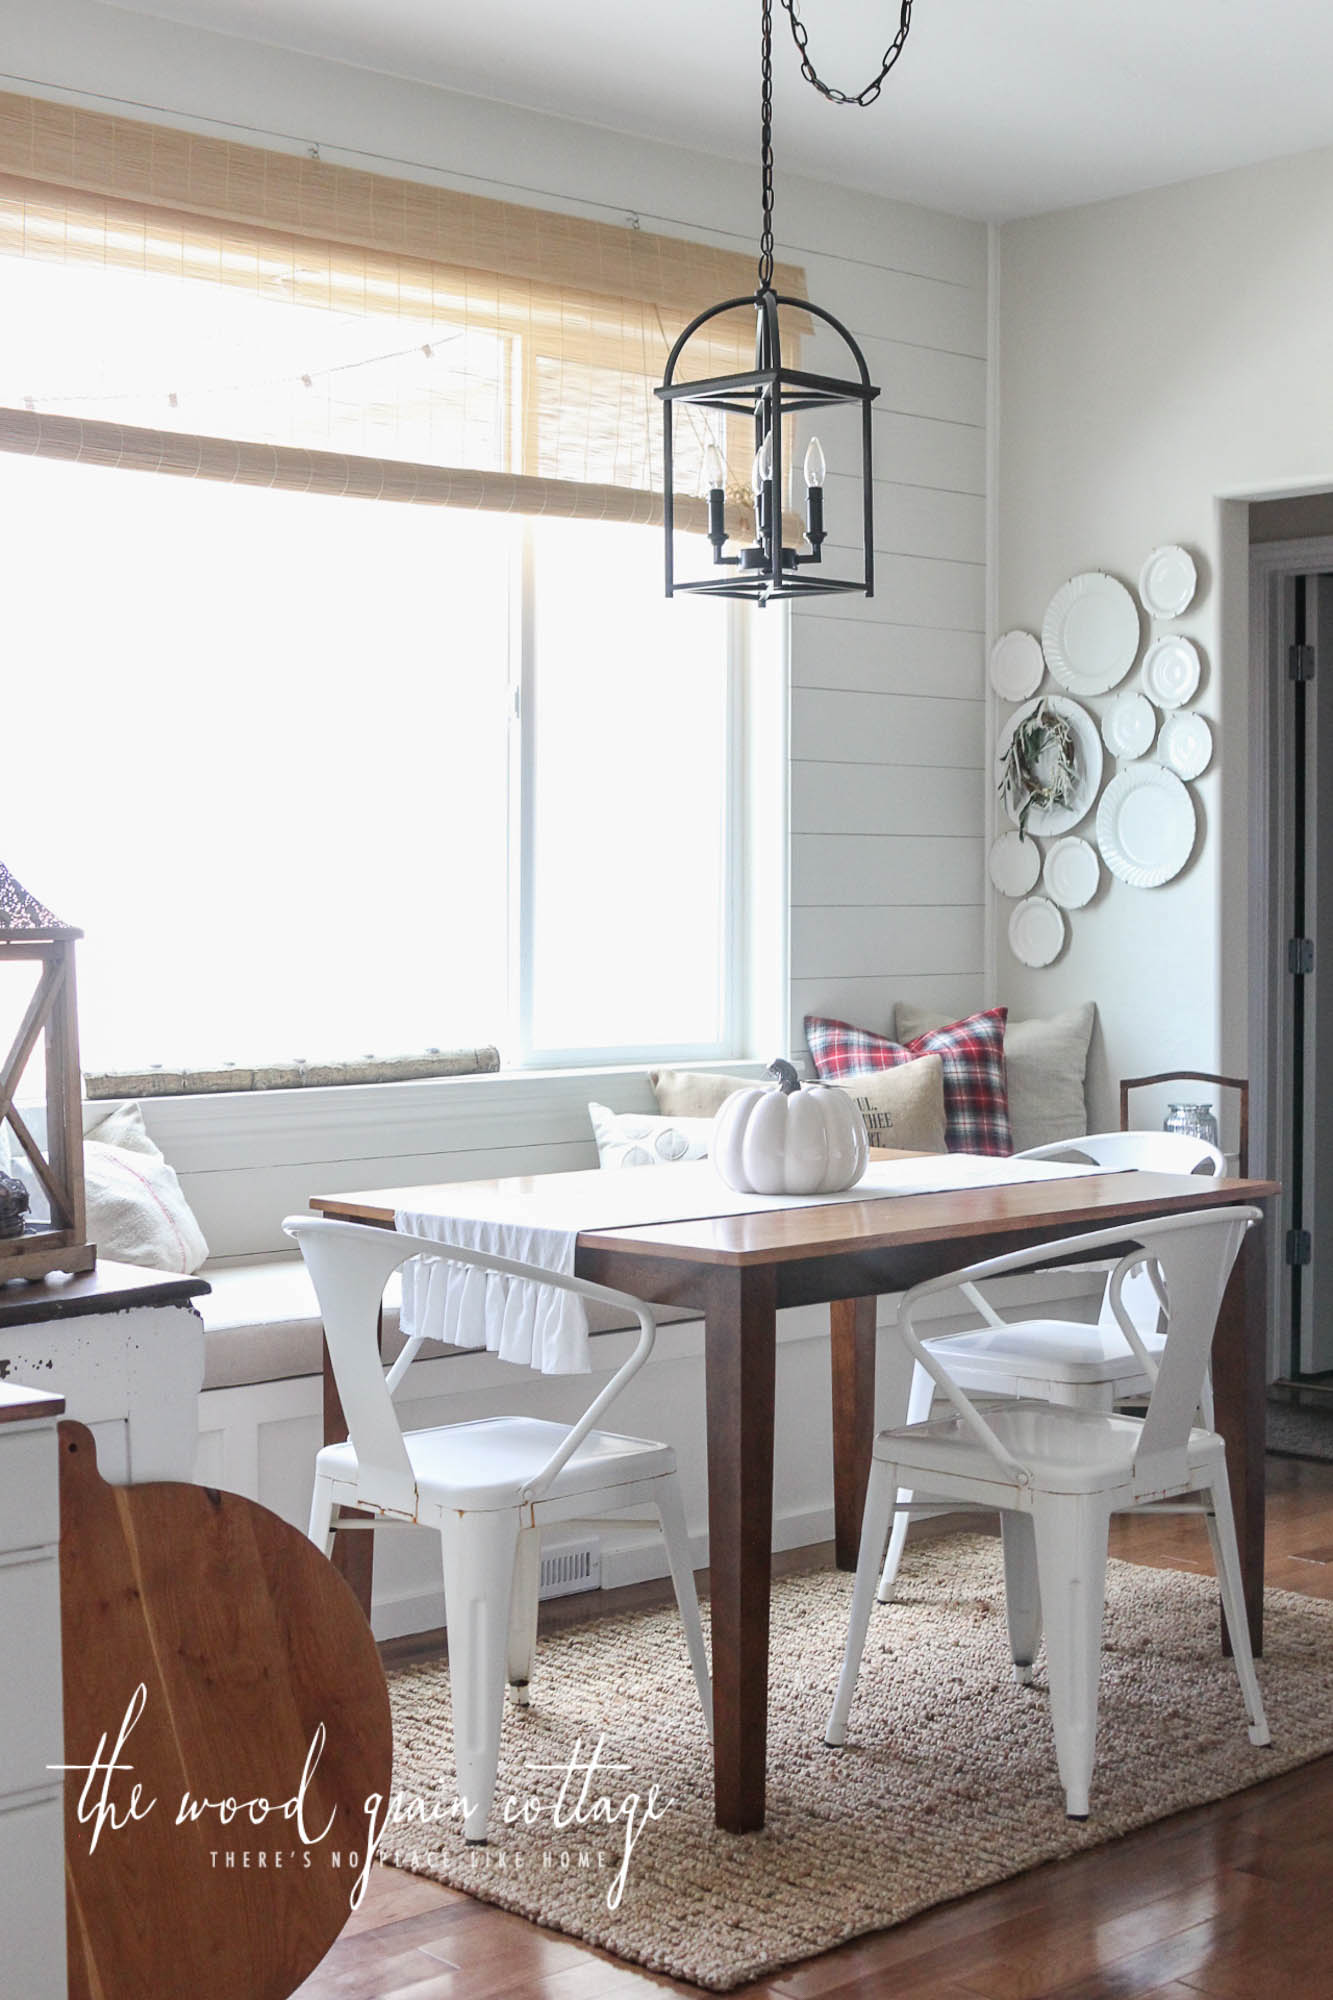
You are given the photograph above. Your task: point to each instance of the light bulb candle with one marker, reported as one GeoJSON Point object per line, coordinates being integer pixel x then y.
{"type": "Point", "coordinates": [714, 479]}
{"type": "Point", "coordinates": [762, 478]}
{"type": "Point", "coordinates": [814, 494]}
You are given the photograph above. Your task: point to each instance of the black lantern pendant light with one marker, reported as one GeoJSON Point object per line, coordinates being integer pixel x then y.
{"type": "Point", "coordinates": [768, 394]}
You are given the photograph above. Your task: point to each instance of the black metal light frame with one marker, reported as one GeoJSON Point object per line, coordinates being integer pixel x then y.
{"type": "Point", "coordinates": [768, 394]}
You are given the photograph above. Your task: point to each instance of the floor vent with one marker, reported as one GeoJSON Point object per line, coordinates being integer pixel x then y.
{"type": "Point", "coordinates": [570, 1566]}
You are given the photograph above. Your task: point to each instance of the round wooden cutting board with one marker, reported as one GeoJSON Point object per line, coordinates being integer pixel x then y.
{"type": "Point", "coordinates": [246, 1642]}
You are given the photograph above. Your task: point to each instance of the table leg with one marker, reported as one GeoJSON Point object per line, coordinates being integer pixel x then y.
{"type": "Point", "coordinates": [740, 1339]}
{"type": "Point", "coordinates": [852, 1346]}
{"type": "Point", "coordinates": [1240, 1387]}
{"type": "Point", "coordinates": [353, 1554]}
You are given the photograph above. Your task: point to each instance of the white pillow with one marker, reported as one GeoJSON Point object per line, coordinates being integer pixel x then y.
{"type": "Point", "coordinates": [638, 1139]}
{"type": "Point", "coordinates": [136, 1211]}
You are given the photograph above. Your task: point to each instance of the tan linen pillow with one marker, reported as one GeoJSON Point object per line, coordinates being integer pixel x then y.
{"type": "Point", "coordinates": [902, 1107]}
{"type": "Point", "coordinates": [1046, 1060]}
{"type": "Point", "coordinates": [695, 1093]}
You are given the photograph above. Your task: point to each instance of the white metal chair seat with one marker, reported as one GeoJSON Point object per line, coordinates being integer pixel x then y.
{"type": "Point", "coordinates": [1065, 1361]}
{"type": "Point", "coordinates": [487, 1486]}
{"type": "Point", "coordinates": [1059, 1474]}
{"type": "Point", "coordinates": [1013, 1360]}
{"type": "Point", "coordinates": [489, 1463]}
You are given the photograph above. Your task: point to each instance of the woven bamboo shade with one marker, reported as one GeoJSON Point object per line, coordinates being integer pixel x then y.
{"type": "Point", "coordinates": [545, 334]}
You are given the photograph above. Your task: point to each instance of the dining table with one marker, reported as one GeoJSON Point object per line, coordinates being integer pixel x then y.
{"type": "Point", "coordinates": [740, 1270]}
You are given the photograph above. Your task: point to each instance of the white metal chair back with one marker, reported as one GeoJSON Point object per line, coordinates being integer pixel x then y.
{"type": "Point", "coordinates": [1195, 1253]}
{"type": "Point", "coordinates": [1149, 1152]}
{"type": "Point", "coordinates": [350, 1263]}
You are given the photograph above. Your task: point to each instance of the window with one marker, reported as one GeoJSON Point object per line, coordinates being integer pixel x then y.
{"type": "Point", "coordinates": [328, 777]}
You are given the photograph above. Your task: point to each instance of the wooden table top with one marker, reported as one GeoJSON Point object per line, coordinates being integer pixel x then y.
{"type": "Point", "coordinates": [836, 1228]}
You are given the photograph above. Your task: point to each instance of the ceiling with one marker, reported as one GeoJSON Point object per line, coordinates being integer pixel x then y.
{"type": "Point", "coordinates": [998, 108]}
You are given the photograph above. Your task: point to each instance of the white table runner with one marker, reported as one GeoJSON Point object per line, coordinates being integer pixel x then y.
{"type": "Point", "coordinates": [540, 1327]}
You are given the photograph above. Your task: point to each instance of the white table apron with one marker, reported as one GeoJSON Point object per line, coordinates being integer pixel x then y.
{"type": "Point", "coordinates": [542, 1328]}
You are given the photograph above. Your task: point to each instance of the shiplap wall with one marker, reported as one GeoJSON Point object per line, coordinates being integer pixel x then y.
{"type": "Point", "coordinates": [887, 699]}
{"type": "Point", "coordinates": [886, 780]}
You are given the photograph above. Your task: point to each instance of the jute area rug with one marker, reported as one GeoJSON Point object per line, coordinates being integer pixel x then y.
{"type": "Point", "coordinates": [947, 1781]}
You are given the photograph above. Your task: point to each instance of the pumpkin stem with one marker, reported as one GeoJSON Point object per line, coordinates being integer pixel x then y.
{"type": "Point", "coordinates": [786, 1075]}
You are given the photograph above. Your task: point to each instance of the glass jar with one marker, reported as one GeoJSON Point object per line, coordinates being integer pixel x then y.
{"type": "Point", "coordinates": [1193, 1121]}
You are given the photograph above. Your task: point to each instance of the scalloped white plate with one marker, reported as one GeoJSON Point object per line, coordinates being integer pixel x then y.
{"type": "Point", "coordinates": [1146, 826]}
{"type": "Point", "coordinates": [1186, 744]}
{"type": "Point", "coordinates": [1168, 581]}
{"type": "Point", "coordinates": [1016, 666]}
{"type": "Point", "coordinates": [1171, 670]}
{"type": "Point", "coordinates": [1037, 932]}
{"type": "Point", "coordinates": [1014, 864]}
{"type": "Point", "coordinates": [1087, 765]}
{"type": "Point", "coordinates": [1129, 725]}
{"type": "Point", "coordinates": [1090, 633]}
{"type": "Point", "coordinates": [1071, 873]}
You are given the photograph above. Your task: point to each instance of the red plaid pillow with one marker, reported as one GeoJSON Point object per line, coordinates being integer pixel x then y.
{"type": "Point", "coordinates": [976, 1094]}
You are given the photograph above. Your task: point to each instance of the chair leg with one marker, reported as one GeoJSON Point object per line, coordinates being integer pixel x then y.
{"type": "Point", "coordinates": [320, 1530]}
{"type": "Point", "coordinates": [1206, 1401]}
{"type": "Point", "coordinates": [874, 1533]}
{"type": "Point", "coordinates": [523, 1612]}
{"type": "Point", "coordinates": [478, 1551]}
{"type": "Point", "coordinates": [1226, 1557]}
{"type": "Point", "coordinates": [671, 1513]}
{"type": "Point", "coordinates": [919, 1401]}
{"type": "Point", "coordinates": [1071, 1537]}
{"type": "Point", "coordinates": [1022, 1592]}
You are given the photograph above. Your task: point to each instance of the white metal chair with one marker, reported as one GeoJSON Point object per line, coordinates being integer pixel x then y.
{"type": "Point", "coordinates": [1086, 1366]}
{"type": "Point", "coordinates": [1058, 1474]}
{"type": "Point", "coordinates": [487, 1487]}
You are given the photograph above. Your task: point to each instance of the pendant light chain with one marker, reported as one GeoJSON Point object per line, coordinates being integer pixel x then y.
{"type": "Point", "coordinates": [766, 150]}
{"type": "Point", "coordinates": [801, 37]}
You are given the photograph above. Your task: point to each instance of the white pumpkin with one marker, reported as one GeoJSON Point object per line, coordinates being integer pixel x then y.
{"type": "Point", "coordinates": [791, 1139]}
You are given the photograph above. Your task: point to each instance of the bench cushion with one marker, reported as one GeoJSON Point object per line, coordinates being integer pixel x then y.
{"type": "Point", "coordinates": [262, 1324]}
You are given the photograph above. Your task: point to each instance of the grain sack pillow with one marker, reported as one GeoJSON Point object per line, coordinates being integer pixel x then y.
{"type": "Point", "coordinates": [695, 1093]}
{"type": "Point", "coordinates": [1047, 1063]}
{"type": "Point", "coordinates": [976, 1104]}
{"type": "Point", "coordinates": [136, 1211]}
{"type": "Point", "coordinates": [637, 1139]}
{"type": "Point", "coordinates": [902, 1107]}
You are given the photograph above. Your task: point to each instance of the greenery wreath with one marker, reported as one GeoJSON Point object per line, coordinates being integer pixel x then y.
{"type": "Point", "coordinates": [1039, 766]}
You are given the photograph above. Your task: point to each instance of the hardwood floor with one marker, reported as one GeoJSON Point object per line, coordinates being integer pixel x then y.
{"type": "Point", "coordinates": [1232, 1901]}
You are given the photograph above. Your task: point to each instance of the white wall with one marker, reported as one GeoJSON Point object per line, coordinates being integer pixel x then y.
{"type": "Point", "coordinates": [886, 740]}
{"type": "Point", "coordinates": [1159, 356]}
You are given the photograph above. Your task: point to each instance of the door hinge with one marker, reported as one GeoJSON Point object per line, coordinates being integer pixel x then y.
{"type": "Point", "coordinates": [1299, 1247]}
{"type": "Point", "coordinates": [1300, 956]}
{"type": "Point", "coordinates": [1300, 663]}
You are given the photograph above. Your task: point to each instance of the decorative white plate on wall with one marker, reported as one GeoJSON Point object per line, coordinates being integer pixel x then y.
{"type": "Point", "coordinates": [1016, 666]}
{"type": "Point", "coordinates": [1090, 633]}
{"type": "Point", "coordinates": [1087, 765]}
{"type": "Point", "coordinates": [1015, 863]}
{"type": "Point", "coordinates": [1171, 670]}
{"type": "Point", "coordinates": [1186, 745]}
{"type": "Point", "coordinates": [1036, 932]}
{"type": "Point", "coordinates": [1129, 725]}
{"type": "Point", "coordinates": [1168, 581]}
{"type": "Point", "coordinates": [1072, 872]}
{"type": "Point", "coordinates": [1145, 826]}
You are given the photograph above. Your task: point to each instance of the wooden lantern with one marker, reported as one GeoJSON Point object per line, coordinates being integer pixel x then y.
{"type": "Point", "coordinates": [28, 933]}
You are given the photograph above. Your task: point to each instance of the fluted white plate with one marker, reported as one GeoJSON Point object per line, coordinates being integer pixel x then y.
{"type": "Point", "coordinates": [1090, 634]}
{"type": "Point", "coordinates": [1036, 931]}
{"type": "Point", "coordinates": [1016, 666]}
{"type": "Point", "coordinates": [1129, 725]}
{"type": "Point", "coordinates": [1186, 744]}
{"type": "Point", "coordinates": [1171, 670]}
{"type": "Point", "coordinates": [1087, 765]}
{"type": "Point", "coordinates": [1145, 826]}
{"type": "Point", "coordinates": [1071, 873]}
{"type": "Point", "coordinates": [1015, 863]}
{"type": "Point", "coordinates": [1168, 581]}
